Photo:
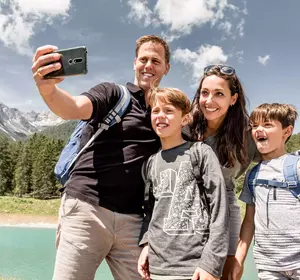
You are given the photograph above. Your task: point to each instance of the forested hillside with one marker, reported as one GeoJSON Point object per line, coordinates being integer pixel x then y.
{"type": "Point", "coordinates": [61, 132]}
{"type": "Point", "coordinates": [294, 143]}
{"type": "Point", "coordinates": [26, 167]}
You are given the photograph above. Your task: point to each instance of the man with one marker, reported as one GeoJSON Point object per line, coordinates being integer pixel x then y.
{"type": "Point", "coordinates": [100, 213]}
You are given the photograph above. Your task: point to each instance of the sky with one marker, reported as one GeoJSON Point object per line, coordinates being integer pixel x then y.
{"type": "Point", "coordinates": [260, 39]}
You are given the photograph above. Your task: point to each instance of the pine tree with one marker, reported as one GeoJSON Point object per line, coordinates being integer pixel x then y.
{"type": "Point", "coordinates": [23, 171]}
{"type": "Point", "coordinates": [5, 166]}
{"type": "Point", "coordinates": [43, 178]}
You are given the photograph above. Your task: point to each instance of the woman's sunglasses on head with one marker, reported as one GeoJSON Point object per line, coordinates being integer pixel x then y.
{"type": "Point", "coordinates": [224, 69]}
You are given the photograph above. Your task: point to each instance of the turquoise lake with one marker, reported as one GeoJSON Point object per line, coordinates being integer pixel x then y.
{"type": "Point", "coordinates": [29, 254]}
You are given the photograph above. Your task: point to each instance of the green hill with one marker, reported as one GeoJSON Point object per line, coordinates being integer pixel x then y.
{"type": "Point", "coordinates": [61, 132]}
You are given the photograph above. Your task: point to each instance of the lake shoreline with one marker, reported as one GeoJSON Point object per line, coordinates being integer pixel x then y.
{"type": "Point", "coordinates": [24, 220]}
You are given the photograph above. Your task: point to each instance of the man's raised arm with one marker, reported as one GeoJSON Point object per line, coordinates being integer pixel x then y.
{"type": "Point", "coordinates": [58, 100]}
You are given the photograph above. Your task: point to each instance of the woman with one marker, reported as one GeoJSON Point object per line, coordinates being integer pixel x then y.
{"type": "Point", "coordinates": [220, 120]}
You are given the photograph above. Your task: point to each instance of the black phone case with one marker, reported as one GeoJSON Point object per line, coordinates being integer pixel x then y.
{"type": "Point", "coordinates": [73, 61]}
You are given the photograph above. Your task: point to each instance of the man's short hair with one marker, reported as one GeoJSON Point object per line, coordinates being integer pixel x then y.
{"type": "Point", "coordinates": [172, 96]}
{"type": "Point", "coordinates": [286, 114]}
{"type": "Point", "coordinates": [154, 39]}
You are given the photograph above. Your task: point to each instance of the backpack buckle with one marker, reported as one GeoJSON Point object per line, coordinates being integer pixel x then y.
{"type": "Point", "coordinates": [103, 126]}
{"type": "Point", "coordinates": [291, 184]}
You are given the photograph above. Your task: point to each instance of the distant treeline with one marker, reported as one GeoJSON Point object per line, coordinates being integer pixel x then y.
{"type": "Point", "coordinates": [293, 144]}
{"type": "Point", "coordinates": [26, 167]}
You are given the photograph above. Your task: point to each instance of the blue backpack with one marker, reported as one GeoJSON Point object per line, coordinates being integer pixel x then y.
{"type": "Point", "coordinates": [71, 152]}
{"type": "Point", "coordinates": [292, 182]}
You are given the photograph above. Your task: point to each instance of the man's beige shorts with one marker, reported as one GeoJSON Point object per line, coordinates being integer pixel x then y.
{"type": "Point", "coordinates": [87, 234]}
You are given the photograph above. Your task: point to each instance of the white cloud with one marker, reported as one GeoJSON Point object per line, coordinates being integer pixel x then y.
{"type": "Point", "coordinates": [169, 37]}
{"type": "Point", "coordinates": [226, 27]}
{"type": "Point", "coordinates": [19, 18]}
{"type": "Point", "coordinates": [245, 10]}
{"type": "Point", "coordinates": [181, 16]}
{"type": "Point", "coordinates": [264, 59]}
{"type": "Point", "coordinates": [196, 61]}
{"type": "Point", "coordinates": [240, 56]}
{"type": "Point", "coordinates": [140, 11]}
{"type": "Point", "coordinates": [240, 27]}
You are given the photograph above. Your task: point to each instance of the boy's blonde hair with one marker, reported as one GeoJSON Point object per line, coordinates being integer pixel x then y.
{"type": "Point", "coordinates": [172, 96]}
{"type": "Point", "coordinates": [286, 114]}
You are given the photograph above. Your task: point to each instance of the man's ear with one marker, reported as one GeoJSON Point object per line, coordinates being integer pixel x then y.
{"type": "Point", "coordinates": [167, 69]}
{"type": "Point", "coordinates": [134, 62]}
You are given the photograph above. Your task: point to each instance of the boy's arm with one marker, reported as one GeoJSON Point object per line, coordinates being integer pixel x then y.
{"type": "Point", "coordinates": [247, 230]}
{"type": "Point", "coordinates": [215, 251]}
{"type": "Point", "coordinates": [246, 234]}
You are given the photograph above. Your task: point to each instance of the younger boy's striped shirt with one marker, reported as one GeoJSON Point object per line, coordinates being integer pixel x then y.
{"type": "Point", "coordinates": [277, 220]}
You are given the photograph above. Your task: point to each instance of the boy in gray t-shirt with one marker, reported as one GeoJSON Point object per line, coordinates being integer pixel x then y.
{"type": "Point", "coordinates": [187, 236]}
{"type": "Point", "coordinates": [272, 211]}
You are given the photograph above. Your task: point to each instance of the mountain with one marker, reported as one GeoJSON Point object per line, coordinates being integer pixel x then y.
{"type": "Point", "coordinates": [18, 125]}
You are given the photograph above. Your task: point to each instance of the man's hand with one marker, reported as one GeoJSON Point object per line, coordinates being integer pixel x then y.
{"type": "Point", "coordinates": [44, 62]}
{"type": "Point", "coordinates": [201, 274]}
{"type": "Point", "coordinates": [143, 264]}
{"type": "Point", "coordinates": [236, 271]}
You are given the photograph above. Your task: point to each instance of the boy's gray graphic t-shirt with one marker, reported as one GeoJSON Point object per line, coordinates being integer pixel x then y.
{"type": "Point", "coordinates": [181, 234]}
{"type": "Point", "coordinates": [277, 220]}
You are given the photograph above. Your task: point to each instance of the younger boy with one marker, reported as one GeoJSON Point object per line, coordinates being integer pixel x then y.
{"type": "Point", "coordinates": [187, 237]}
{"type": "Point", "coordinates": [273, 209]}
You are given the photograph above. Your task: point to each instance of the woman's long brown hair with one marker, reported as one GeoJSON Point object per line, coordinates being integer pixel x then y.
{"type": "Point", "coordinates": [231, 136]}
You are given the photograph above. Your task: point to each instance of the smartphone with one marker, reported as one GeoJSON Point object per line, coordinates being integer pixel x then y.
{"type": "Point", "coordinates": [73, 61]}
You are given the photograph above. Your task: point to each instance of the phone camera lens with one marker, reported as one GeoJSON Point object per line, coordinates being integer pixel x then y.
{"type": "Point", "coordinates": [78, 60]}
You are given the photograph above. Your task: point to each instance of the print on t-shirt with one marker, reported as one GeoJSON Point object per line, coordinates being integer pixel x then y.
{"type": "Point", "coordinates": [185, 215]}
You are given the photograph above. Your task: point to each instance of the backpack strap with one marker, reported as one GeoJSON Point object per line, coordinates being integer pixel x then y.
{"type": "Point", "coordinates": [114, 116]}
{"type": "Point", "coordinates": [290, 166]}
{"type": "Point", "coordinates": [292, 183]}
{"type": "Point", "coordinates": [196, 164]}
{"type": "Point", "coordinates": [252, 178]}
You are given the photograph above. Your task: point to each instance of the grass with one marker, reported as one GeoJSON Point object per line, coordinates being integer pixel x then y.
{"type": "Point", "coordinates": [29, 206]}
{"type": "Point", "coordinates": [9, 278]}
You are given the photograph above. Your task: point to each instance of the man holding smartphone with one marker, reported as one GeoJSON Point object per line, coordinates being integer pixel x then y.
{"type": "Point", "coordinates": [101, 208]}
